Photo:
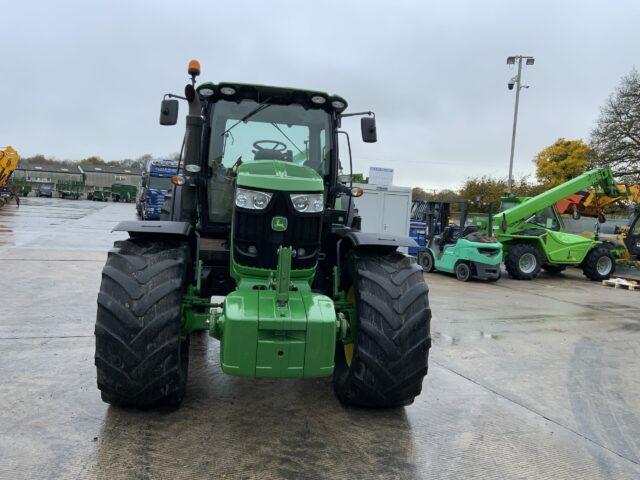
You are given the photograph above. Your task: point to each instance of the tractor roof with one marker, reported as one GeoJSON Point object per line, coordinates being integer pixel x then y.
{"type": "Point", "coordinates": [271, 94]}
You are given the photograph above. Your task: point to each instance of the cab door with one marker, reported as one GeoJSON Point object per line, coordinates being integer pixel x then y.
{"type": "Point", "coordinates": [633, 237]}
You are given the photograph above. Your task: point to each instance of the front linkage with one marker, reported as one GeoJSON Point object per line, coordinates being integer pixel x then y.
{"type": "Point", "coordinates": [303, 339]}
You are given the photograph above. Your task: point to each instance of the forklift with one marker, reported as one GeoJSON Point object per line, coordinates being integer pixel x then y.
{"type": "Point", "coordinates": [462, 249]}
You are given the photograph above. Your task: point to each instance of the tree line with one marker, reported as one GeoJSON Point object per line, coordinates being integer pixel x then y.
{"type": "Point", "coordinates": [614, 143]}
{"type": "Point", "coordinates": [95, 161]}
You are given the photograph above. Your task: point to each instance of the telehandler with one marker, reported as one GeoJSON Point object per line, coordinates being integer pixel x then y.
{"type": "Point", "coordinates": [533, 237]}
{"type": "Point", "coordinates": [256, 216]}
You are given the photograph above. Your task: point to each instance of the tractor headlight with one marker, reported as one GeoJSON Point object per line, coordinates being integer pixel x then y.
{"type": "Point", "coordinates": [252, 199]}
{"type": "Point", "coordinates": [308, 202]}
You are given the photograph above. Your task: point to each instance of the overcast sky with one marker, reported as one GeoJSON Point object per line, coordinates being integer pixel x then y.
{"type": "Point", "coordinates": [82, 78]}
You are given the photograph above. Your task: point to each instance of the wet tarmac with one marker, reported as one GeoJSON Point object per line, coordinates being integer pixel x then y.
{"type": "Point", "coordinates": [527, 380]}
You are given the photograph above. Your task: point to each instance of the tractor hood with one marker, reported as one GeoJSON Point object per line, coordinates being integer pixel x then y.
{"type": "Point", "coordinates": [279, 175]}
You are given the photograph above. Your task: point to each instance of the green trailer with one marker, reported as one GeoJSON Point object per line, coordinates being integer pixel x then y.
{"type": "Point", "coordinates": [24, 189]}
{"type": "Point", "coordinates": [123, 193]}
{"type": "Point", "coordinates": [533, 237]}
{"type": "Point", "coordinates": [100, 195]}
{"type": "Point", "coordinates": [71, 189]}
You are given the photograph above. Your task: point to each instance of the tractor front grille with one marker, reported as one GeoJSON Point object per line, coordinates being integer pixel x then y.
{"type": "Point", "coordinates": [256, 243]}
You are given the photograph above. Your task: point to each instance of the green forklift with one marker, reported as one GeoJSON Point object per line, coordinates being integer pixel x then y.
{"type": "Point", "coordinates": [256, 215]}
{"type": "Point", "coordinates": [459, 248]}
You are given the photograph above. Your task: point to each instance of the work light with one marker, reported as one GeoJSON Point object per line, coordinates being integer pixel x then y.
{"type": "Point", "coordinates": [206, 92]}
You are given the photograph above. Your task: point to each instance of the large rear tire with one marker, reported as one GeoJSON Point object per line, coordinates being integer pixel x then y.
{"type": "Point", "coordinates": [140, 359]}
{"type": "Point", "coordinates": [386, 364]}
{"type": "Point", "coordinates": [599, 264]}
{"type": "Point", "coordinates": [523, 261]}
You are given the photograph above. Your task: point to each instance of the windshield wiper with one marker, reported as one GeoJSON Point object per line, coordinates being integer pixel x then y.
{"type": "Point", "coordinates": [259, 108]}
{"type": "Point", "coordinates": [286, 136]}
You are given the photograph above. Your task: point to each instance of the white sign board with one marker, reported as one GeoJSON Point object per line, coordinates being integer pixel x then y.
{"type": "Point", "coordinates": [380, 176]}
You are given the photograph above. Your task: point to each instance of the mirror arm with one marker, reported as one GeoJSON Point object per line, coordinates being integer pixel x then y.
{"type": "Point", "coordinates": [369, 113]}
{"type": "Point", "coordinates": [171, 95]}
{"type": "Point", "coordinates": [350, 187]}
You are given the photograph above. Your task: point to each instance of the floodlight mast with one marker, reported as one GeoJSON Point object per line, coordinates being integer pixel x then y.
{"type": "Point", "coordinates": [517, 80]}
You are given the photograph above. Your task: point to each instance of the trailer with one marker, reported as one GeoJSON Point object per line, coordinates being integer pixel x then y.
{"type": "Point", "coordinates": [124, 193]}
{"type": "Point", "coordinates": [70, 189]}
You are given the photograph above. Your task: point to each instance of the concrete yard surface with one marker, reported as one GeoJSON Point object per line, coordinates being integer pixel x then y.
{"type": "Point", "coordinates": [527, 380]}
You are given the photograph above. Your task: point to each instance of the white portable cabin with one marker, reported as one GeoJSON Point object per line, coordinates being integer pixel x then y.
{"type": "Point", "coordinates": [385, 209]}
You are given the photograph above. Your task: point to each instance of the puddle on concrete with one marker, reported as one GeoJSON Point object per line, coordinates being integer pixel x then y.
{"type": "Point", "coordinates": [455, 339]}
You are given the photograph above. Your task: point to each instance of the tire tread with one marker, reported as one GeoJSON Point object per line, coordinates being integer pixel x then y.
{"type": "Point", "coordinates": [141, 361]}
{"type": "Point", "coordinates": [392, 345]}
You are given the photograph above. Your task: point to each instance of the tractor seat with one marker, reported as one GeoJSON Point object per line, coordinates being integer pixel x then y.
{"type": "Point", "coordinates": [270, 154]}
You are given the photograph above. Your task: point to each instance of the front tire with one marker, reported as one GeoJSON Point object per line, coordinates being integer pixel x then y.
{"type": "Point", "coordinates": [599, 264]}
{"type": "Point", "coordinates": [140, 359]}
{"type": "Point", "coordinates": [523, 262]}
{"type": "Point", "coordinates": [426, 261]}
{"type": "Point", "coordinates": [388, 361]}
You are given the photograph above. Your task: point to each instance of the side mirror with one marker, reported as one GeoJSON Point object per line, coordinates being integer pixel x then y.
{"type": "Point", "coordinates": [368, 127]}
{"type": "Point", "coordinates": [169, 112]}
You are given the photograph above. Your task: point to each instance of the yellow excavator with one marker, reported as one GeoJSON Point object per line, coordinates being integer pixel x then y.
{"type": "Point", "coordinates": [594, 203]}
{"type": "Point", "coordinates": [9, 159]}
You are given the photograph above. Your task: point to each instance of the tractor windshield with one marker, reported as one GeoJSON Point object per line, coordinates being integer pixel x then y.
{"type": "Point", "coordinates": [287, 133]}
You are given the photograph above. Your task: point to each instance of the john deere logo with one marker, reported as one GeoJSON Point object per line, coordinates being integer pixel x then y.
{"type": "Point", "coordinates": [279, 224]}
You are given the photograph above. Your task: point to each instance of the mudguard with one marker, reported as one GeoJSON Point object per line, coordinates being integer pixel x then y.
{"type": "Point", "coordinates": [359, 238]}
{"type": "Point", "coordinates": [137, 227]}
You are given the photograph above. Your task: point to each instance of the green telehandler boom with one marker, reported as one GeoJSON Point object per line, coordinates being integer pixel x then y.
{"type": "Point", "coordinates": [258, 215]}
{"type": "Point", "coordinates": [531, 232]}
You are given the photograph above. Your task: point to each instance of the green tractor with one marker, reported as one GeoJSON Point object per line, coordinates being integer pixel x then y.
{"type": "Point", "coordinates": [533, 237]}
{"type": "Point", "coordinates": [258, 215]}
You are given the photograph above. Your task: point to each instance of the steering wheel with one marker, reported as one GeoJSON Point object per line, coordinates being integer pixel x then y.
{"type": "Point", "coordinates": [277, 146]}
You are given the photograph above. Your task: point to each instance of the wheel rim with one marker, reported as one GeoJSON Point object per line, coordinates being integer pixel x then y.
{"type": "Point", "coordinates": [603, 266]}
{"type": "Point", "coordinates": [527, 263]}
{"type": "Point", "coordinates": [348, 347]}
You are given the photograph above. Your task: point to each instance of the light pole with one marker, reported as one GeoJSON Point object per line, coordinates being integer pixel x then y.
{"type": "Point", "coordinates": [517, 82]}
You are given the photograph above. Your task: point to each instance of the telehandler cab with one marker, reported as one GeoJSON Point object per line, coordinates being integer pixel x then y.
{"type": "Point", "coordinates": [256, 216]}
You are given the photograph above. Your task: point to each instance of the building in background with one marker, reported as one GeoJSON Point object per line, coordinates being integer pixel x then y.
{"type": "Point", "coordinates": [102, 178]}
{"type": "Point", "coordinates": [94, 178]}
{"type": "Point", "coordinates": [35, 175]}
